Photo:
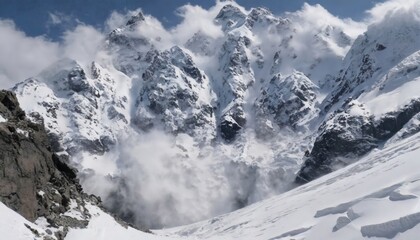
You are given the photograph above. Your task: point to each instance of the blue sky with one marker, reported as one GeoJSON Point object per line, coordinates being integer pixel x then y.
{"type": "Point", "coordinates": [32, 16]}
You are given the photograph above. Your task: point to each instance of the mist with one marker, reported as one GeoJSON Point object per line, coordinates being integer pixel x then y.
{"type": "Point", "coordinates": [157, 180]}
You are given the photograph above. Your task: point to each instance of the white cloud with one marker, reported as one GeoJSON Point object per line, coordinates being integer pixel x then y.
{"type": "Point", "coordinates": [388, 9]}
{"type": "Point", "coordinates": [59, 18]}
{"type": "Point", "coordinates": [196, 19]}
{"type": "Point", "coordinates": [117, 19]}
{"type": "Point", "coordinates": [82, 43]}
{"type": "Point", "coordinates": [22, 56]}
{"type": "Point", "coordinates": [314, 17]}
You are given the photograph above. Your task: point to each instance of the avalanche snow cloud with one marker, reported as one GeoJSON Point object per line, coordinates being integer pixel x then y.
{"type": "Point", "coordinates": [172, 126]}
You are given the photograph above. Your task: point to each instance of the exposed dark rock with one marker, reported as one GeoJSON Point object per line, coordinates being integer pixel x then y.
{"type": "Point", "coordinates": [380, 47]}
{"type": "Point", "coordinates": [9, 107]}
{"type": "Point", "coordinates": [34, 181]}
{"type": "Point", "coordinates": [232, 122]}
{"type": "Point", "coordinates": [169, 97]}
{"type": "Point", "coordinates": [229, 129]}
{"type": "Point", "coordinates": [135, 19]}
{"type": "Point", "coordinates": [284, 102]}
{"type": "Point", "coordinates": [346, 136]}
{"type": "Point", "coordinates": [77, 80]}
{"type": "Point", "coordinates": [61, 162]}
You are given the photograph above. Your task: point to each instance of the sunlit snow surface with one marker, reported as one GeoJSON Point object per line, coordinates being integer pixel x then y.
{"type": "Point", "coordinates": [104, 227]}
{"type": "Point", "coordinates": [375, 197]}
{"type": "Point", "coordinates": [12, 225]}
{"type": "Point", "coordinates": [101, 227]}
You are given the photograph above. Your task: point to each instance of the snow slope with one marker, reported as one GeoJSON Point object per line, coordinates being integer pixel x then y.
{"type": "Point", "coordinates": [375, 198]}
{"type": "Point", "coordinates": [102, 227]}
{"type": "Point", "coordinates": [13, 226]}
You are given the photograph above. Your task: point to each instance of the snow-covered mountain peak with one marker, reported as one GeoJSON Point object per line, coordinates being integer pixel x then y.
{"type": "Point", "coordinates": [261, 17]}
{"type": "Point", "coordinates": [138, 17]}
{"type": "Point", "coordinates": [77, 104]}
{"type": "Point", "coordinates": [374, 54]}
{"type": "Point", "coordinates": [177, 94]}
{"type": "Point", "coordinates": [201, 44]}
{"type": "Point", "coordinates": [59, 70]}
{"type": "Point", "coordinates": [230, 17]}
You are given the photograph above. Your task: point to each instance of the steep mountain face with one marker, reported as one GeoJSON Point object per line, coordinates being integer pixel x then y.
{"type": "Point", "coordinates": [373, 99]}
{"type": "Point", "coordinates": [78, 110]}
{"type": "Point", "coordinates": [286, 102]}
{"type": "Point", "coordinates": [177, 95]}
{"type": "Point", "coordinates": [35, 182]}
{"type": "Point", "coordinates": [351, 134]}
{"type": "Point", "coordinates": [236, 111]}
{"type": "Point", "coordinates": [374, 55]}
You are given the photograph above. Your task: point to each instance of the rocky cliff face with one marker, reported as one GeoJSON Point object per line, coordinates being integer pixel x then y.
{"type": "Point", "coordinates": [286, 102]}
{"type": "Point", "coordinates": [34, 181]}
{"type": "Point", "coordinates": [351, 134]}
{"type": "Point", "coordinates": [176, 97]}
{"type": "Point", "coordinates": [77, 105]}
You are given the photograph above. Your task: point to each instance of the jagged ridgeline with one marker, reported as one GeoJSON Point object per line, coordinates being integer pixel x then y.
{"type": "Point", "coordinates": [173, 128]}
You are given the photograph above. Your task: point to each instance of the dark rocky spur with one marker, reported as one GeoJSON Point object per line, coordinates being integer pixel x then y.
{"type": "Point", "coordinates": [34, 181]}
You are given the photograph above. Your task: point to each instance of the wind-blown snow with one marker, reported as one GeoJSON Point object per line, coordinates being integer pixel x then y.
{"type": "Point", "coordinates": [363, 193]}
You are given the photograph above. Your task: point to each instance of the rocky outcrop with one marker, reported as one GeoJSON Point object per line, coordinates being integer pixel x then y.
{"type": "Point", "coordinates": [286, 101]}
{"type": "Point", "coordinates": [230, 17]}
{"type": "Point", "coordinates": [175, 96]}
{"type": "Point", "coordinates": [75, 104]}
{"type": "Point", "coordinates": [237, 77]}
{"type": "Point", "coordinates": [350, 134]}
{"type": "Point", "coordinates": [34, 181]}
{"type": "Point", "coordinates": [375, 71]}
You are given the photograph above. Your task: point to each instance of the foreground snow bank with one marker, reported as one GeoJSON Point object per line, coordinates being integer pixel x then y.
{"type": "Point", "coordinates": [103, 227]}
{"type": "Point", "coordinates": [15, 227]}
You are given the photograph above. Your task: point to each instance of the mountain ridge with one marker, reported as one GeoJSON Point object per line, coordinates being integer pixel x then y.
{"type": "Point", "coordinates": [230, 119]}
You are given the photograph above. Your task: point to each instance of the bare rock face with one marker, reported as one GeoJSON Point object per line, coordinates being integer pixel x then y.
{"type": "Point", "coordinates": [287, 101]}
{"type": "Point", "coordinates": [173, 97]}
{"type": "Point", "coordinates": [347, 136]}
{"type": "Point", "coordinates": [34, 181]}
